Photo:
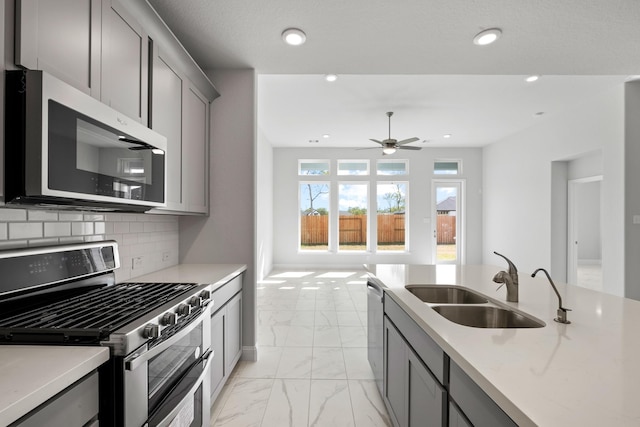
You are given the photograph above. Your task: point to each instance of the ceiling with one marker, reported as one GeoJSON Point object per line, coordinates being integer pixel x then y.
{"type": "Point", "coordinates": [413, 57]}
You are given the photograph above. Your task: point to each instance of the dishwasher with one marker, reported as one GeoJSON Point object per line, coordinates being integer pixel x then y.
{"type": "Point", "coordinates": [375, 332]}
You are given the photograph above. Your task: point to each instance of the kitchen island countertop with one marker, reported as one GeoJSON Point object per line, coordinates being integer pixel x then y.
{"type": "Point", "coordinates": [585, 373]}
{"type": "Point", "coordinates": [31, 375]}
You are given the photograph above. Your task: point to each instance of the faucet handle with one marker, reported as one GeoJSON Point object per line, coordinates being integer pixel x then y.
{"type": "Point", "coordinates": [562, 316]}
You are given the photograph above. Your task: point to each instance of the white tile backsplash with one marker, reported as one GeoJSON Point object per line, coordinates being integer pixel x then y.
{"type": "Point", "coordinates": [153, 238]}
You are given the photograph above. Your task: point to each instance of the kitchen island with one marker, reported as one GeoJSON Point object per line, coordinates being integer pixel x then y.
{"type": "Point", "coordinates": [584, 373]}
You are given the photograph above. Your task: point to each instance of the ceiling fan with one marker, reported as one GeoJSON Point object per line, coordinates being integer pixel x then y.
{"type": "Point", "coordinates": [389, 145]}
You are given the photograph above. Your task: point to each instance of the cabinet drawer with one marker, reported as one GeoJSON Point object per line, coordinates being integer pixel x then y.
{"type": "Point", "coordinates": [474, 402]}
{"type": "Point", "coordinates": [225, 292]}
{"type": "Point", "coordinates": [425, 347]}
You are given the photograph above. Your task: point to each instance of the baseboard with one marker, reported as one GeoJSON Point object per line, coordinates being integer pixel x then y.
{"type": "Point", "coordinates": [249, 353]}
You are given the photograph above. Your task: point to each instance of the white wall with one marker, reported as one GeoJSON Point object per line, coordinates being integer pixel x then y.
{"type": "Point", "coordinates": [227, 235]}
{"type": "Point", "coordinates": [264, 204]}
{"type": "Point", "coordinates": [518, 186]}
{"type": "Point", "coordinates": [286, 207]}
{"type": "Point", "coordinates": [589, 220]}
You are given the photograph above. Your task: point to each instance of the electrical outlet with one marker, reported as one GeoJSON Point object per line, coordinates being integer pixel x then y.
{"type": "Point", "coordinates": [136, 262]}
{"type": "Point", "coordinates": [165, 256]}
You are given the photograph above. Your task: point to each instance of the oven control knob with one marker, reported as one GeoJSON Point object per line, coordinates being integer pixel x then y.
{"type": "Point", "coordinates": [183, 310]}
{"type": "Point", "coordinates": [195, 302]}
{"type": "Point", "coordinates": [168, 319]}
{"type": "Point", "coordinates": [205, 295]}
{"type": "Point", "coordinates": [150, 331]}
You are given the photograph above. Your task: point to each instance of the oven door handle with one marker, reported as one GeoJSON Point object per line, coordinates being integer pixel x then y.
{"type": "Point", "coordinates": [205, 372]}
{"type": "Point", "coordinates": [138, 359]}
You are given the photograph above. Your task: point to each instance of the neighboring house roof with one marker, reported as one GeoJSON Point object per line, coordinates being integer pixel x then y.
{"type": "Point", "coordinates": [447, 205]}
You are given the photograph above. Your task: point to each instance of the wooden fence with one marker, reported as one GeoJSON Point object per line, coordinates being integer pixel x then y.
{"type": "Point", "coordinates": [353, 229]}
{"type": "Point", "coordinates": [314, 230]}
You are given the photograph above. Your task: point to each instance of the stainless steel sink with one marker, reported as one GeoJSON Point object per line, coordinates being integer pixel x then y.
{"type": "Point", "coordinates": [481, 316]}
{"type": "Point", "coordinates": [442, 294]}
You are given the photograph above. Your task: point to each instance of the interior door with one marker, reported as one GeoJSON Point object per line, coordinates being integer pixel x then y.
{"type": "Point", "coordinates": [447, 224]}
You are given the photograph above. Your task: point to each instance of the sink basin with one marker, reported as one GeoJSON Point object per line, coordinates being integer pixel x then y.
{"type": "Point", "coordinates": [486, 317]}
{"type": "Point", "coordinates": [439, 294]}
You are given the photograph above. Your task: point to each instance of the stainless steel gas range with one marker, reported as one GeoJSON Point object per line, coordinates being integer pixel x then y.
{"type": "Point", "coordinates": [159, 334]}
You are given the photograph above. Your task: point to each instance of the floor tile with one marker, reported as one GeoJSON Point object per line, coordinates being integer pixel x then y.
{"type": "Point", "coordinates": [300, 336]}
{"type": "Point", "coordinates": [348, 318]}
{"type": "Point", "coordinates": [246, 404]}
{"type": "Point", "coordinates": [353, 336]}
{"type": "Point", "coordinates": [265, 367]}
{"type": "Point", "coordinates": [356, 364]}
{"type": "Point", "coordinates": [328, 363]}
{"type": "Point", "coordinates": [295, 363]}
{"type": "Point", "coordinates": [368, 407]}
{"type": "Point", "coordinates": [330, 404]}
{"type": "Point", "coordinates": [288, 404]}
{"type": "Point", "coordinates": [326, 336]}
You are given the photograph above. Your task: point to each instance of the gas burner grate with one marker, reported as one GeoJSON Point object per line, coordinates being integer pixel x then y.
{"type": "Point", "coordinates": [92, 316]}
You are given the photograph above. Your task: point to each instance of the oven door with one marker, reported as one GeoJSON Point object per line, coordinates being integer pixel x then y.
{"type": "Point", "coordinates": [171, 378]}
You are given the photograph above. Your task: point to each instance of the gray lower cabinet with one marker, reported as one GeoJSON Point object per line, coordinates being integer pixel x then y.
{"type": "Point", "coordinates": [412, 394]}
{"type": "Point", "coordinates": [474, 403]}
{"type": "Point", "coordinates": [456, 417]}
{"type": "Point", "coordinates": [77, 406]}
{"type": "Point", "coordinates": [226, 333]}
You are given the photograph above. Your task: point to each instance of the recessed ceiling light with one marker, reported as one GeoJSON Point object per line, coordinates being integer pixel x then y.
{"type": "Point", "coordinates": [294, 36]}
{"type": "Point", "coordinates": [539, 113]}
{"type": "Point", "coordinates": [448, 135]}
{"type": "Point", "coordinates": [532, 78]}
{"type": "Point", "coordinates": [486, 37]}
{"type": "Point", "coordinates": [331, 77]}
{"type": "Point", "coordinates": [326, 135]}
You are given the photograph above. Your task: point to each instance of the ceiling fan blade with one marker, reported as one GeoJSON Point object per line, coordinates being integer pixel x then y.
{"type": "Point", "coordinates": [407, 141]}
{"type": "Point", "coordinates": [376, 141]}
{"type": "Point", "coordinates": [409, 148]}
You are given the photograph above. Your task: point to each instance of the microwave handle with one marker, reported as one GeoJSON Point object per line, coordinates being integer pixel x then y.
{"type": "Point", "coordinates": [205, 372]}
{"type": "Point", "coordinates": [138, 359]}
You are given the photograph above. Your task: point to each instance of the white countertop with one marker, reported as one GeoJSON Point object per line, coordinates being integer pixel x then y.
{"type": "Point", "coordinates": [586, 373]}
{"type": "Point", "coordinates": [213, 274]}
{"type": "Point", "coordinates": [31, 375]}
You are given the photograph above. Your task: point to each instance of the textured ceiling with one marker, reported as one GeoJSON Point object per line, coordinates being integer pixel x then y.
{"type": "Point", "coordinates": [396, 55]}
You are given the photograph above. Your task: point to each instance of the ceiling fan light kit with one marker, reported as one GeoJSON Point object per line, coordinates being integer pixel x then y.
{"type": "Point", "coordinates": [487, 37]}
{"type": "Point", "coordinates": [390, 145]}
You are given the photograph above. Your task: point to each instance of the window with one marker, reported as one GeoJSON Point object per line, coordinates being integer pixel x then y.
{"type": "Point", "coordinates": [314, 215]}
{"type": "Point", "coordinates": [392, 167]}
{"type": "Point", "coordinates": [352, 217]}
{"type": "Point", "coordinates": [353, 167]}
{"type": "Point", "coordinates": [313, 167]}
{"type": "Point", "coordinates": [391, 210]}
{"type": "Point", "coordinates": [447, 167]}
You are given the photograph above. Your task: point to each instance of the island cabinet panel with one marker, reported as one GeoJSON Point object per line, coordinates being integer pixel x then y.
{"type": "Point", "coordinates": [125, 59]}
{"type": "Point", "coordinates": [167, 88]}
{"type": "Point", "coordinates": [63, 38]}
{"type": "Point", "coordinates": [476, 405]}
{"type": "Point", "coordinates": [226, 333]}
{"type": "Point", "coordinates": [456, 418]}
{"type": "Point", "coordinates": [195, 148]}
{"type": "Point", "coordinates": [76, 406]}
{"type": "Point", "coordinates": [412, 394]}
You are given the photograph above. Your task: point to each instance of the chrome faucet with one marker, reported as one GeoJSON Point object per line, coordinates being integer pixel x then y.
{"type": "Point", "coordinates": [510, 279]}
{"type": "Point", "coordinates": [562, 312]}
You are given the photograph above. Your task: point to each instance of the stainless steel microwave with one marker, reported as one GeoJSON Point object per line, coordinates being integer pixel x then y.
{"type": "Point", "coordinates": [65, 149]}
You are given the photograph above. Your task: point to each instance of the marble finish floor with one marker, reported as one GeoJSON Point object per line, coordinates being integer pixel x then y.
{"type": "Point", "coordinates": [312, 367]}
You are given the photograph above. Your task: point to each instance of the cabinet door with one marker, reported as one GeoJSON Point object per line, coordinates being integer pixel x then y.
{"type": "Point", "coordinates": [395, 374]}
{"type": "Point", "coordinates": [427, 398]}
{"type": "Point", "coordinates": [195, 146]}
{"type": "Point", "coordinates": [63, 38]}
{"type": "Point", "coordinates": [233, 333]}
{"type": "Point", "coordinates": [125, 59]}
{"type": "Point", "coordinates": [217, 345]}
{"type": "Point", "coordinates": [456, 419]}
{"type": "Point", "coordinates": [167, 86]}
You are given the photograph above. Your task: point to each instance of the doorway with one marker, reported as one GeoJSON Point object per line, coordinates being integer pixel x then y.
{"type": "Point", "coordinates": [584, 220]}
{"type": "Point", "coordinates": [448, 213]}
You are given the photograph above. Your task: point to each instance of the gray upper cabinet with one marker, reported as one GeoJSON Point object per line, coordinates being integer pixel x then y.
{"type": "Point", "coordinates": [195, 146]}
{"type": "Point", "coordinates": [63, 38]}
{"type": "Point", "coordinates": [125, 58]}
{"type": "Point", "coordinates": [167, 88]}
